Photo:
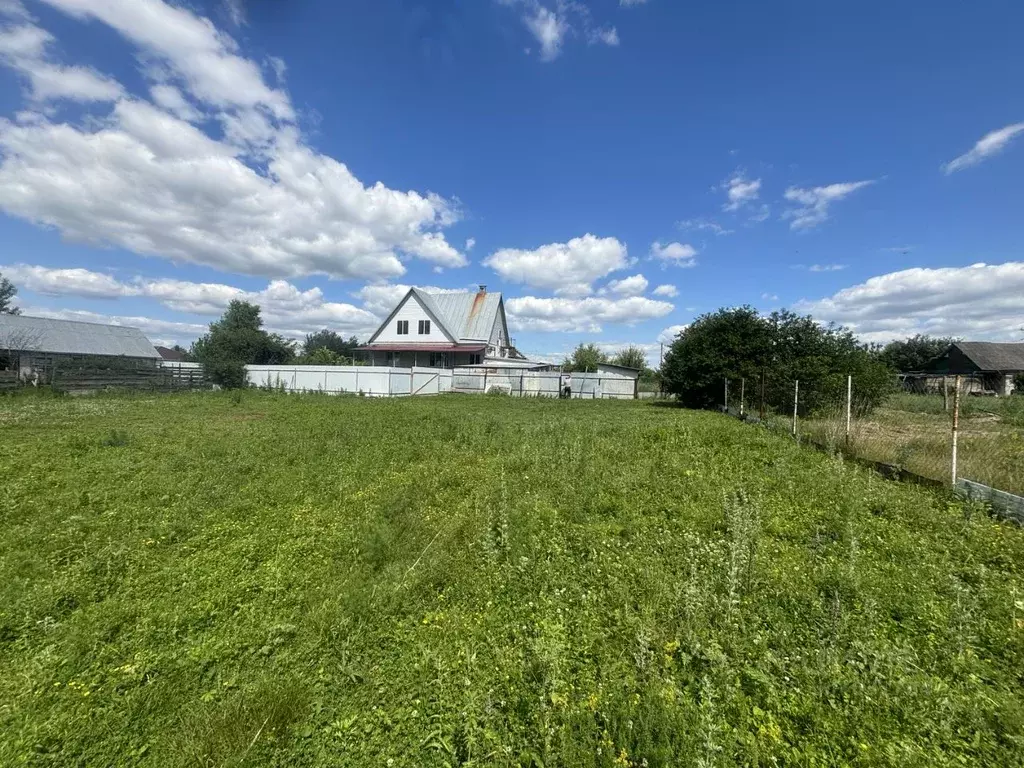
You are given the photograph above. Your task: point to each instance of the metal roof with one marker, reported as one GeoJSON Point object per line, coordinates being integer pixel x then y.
{"type": "Point", "coordinates": [467, 316]}
{"type": "Point", "coordinates": [1006, 357]}
{"type": "Point", "coordinates": [69, 337]}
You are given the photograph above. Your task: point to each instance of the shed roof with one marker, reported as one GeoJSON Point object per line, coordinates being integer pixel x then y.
{"type": "Point", "coordinates": [70, 337]}
{"type": "Point", "coordinates": [1006, 357]}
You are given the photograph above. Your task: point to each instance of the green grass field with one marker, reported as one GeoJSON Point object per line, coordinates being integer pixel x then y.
{"type": "Point", "coordinates": [271, 580]}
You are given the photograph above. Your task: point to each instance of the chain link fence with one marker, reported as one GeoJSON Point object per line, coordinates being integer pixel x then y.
{"type": "Point", "coordinates": [943, 428]}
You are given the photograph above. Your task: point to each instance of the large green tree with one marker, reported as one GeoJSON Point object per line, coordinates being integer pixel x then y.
{"type": "Point", "coordinates": [236, 340]}
{"type": "Point", "coordinates": [913, 354]}
{"type": "Point", "coordinates": [585, 358]}
{"type": "Point", "coordinates": [7, 294]}
{"type": "Point", "coordinates": [771, 353]}
{"type": "Point", "coordinates": [631, 357]}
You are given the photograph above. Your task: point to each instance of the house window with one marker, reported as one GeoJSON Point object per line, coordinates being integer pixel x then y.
{"type": "Point", "coordinates": [438, 359]}
{"type": "Point", "coordinates": [424, 327]}
{"type": "Point", "coordinates": [403, 327]}
{"type": "Point", "coordinates": [476, 358]}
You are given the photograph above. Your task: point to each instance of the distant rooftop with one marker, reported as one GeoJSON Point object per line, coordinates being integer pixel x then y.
{"type": "Point", "coordinates": [71, 337]}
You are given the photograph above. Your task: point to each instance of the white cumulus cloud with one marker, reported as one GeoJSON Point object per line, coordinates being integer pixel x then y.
{"type": "Point", "coordinates": [568, 269]}
{"type": "Point", "coordinates": [634, 285]}
{"type": "Point", "coordinates": [530, 313]}
{"type": "Point", "coordinates": [669, 291]}
{"type": "Point", "coordinates": [668, 335]}
{"type": "Point", "coordinates": [286, 309]}
{"type": "Point", "coordinates": [812, 205]}
{"type": "Point", "coordinates": [978, 302]}
{"type": "Point", "coordinates": [990, 144]}
{"type": "Point", "coordinates": [679, 254]}
{"type": "Point", "coordinates": [251, 197]}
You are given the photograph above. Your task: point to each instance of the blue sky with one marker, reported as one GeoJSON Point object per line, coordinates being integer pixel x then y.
{"type": "Point", "coordinates": [615, 168]}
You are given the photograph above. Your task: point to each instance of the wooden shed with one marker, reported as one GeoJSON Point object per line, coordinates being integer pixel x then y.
{"type": "Point", "coordinates": [996, 364]}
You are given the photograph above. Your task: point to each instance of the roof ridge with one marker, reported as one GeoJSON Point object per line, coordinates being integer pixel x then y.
{"type": "Point", "coordinates": [76, 322]}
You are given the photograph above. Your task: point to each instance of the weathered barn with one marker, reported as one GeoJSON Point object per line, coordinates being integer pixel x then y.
{"type": "Point", "coordinates": [36, 346]}
{"type": "Point", "coordinates": [995, 364]}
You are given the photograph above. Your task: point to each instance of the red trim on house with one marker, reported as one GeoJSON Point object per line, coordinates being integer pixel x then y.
{"type": "Point", "coordinates": [424, 347]}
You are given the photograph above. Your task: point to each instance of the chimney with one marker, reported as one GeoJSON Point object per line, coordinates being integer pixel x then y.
{"type": "Point", "coordinates": [483, 288]}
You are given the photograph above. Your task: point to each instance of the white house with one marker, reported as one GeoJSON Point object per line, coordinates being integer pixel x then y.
{"type": "Point", "coordinates": [442, 330]}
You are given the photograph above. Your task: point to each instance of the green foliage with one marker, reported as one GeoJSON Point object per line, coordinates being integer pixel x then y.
{"type": "Point", "coordinates": [237, 340]}
{"type": "Point", "coordinates": [334, 342]}
{"type": "Point", "coordinates": [782, 348]}
{"type": "Point", "coordinates": [631, 357]}
{"type": "Point", "coordinates": [584, 359]}
{"type": "Point", "coordinates": [310, 581]}
{"type": "Point", "coordinates": [1018, 384]}
{"type": "Point", "coordinates": [7, 294]}
{"type": "Point", "coordinates": [322, 356]}
{"type": "Point", "coordinates": [914, 353]}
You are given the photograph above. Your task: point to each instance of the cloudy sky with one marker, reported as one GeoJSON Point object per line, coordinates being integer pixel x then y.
{"type": "Point", "coordinates": [614, 167]}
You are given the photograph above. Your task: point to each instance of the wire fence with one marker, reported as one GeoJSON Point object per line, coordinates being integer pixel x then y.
{"type": "Point", "coordinates": [943, 428]}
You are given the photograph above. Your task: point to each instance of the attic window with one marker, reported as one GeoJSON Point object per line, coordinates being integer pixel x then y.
{"type": "Point", "coordinates": [403, 327]}
{"type": "Point", "coordinates": [424, 327]}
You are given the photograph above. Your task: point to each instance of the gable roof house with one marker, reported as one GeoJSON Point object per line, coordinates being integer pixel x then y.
{"type": "Point", "coordinates": [442, 330]}
{"type": "Point", "coordinates": [994, 363]}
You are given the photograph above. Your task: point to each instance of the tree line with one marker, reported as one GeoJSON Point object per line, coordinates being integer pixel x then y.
{"type": "Point", "coordinates": [772, 352]}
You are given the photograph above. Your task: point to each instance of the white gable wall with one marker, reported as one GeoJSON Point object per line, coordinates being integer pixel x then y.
{"type": "Point", "coordinates": [412, 311]}
{"type": "Point", "coordinates": [499, 334]}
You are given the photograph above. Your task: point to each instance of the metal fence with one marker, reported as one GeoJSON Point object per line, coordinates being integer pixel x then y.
{"type": "Point", "coordinates": [943, 428]}
{"type": "Point", "coordinates": [368, 380]}
{"type": "Point", "coordinates": [521, 383]}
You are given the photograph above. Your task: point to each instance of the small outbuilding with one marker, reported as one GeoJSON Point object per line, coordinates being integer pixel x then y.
{"type": "Point", "coordinates": [994, 364]}
{"type": "Point", "coordinates": [35, 346]}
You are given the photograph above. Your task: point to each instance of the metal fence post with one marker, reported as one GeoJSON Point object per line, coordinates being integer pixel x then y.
{"type": "Point", "coordinates": [796, 400]}
{"type": "Point", "coordinates": [726, 394]}
{"type": "Point", "coordinates": [956, 426]}
{"type": "Point", "coordinates": [945, 394]}
{"type": "Point", "coordinates": [743, 395]}
{"type": "Point", "coordinates": [849, 406]}
{"type": "Point", "coordinates": [763, 376]}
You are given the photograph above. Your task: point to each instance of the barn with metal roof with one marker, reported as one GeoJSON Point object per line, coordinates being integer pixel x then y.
{"type": "Point", "coordinates": [29, 344]}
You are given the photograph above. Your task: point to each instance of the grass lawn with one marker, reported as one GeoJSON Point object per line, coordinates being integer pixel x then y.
{"type": "Point", "coordinates": [915, 432]}
{"type": "Point", "coordinates": [209, 579]}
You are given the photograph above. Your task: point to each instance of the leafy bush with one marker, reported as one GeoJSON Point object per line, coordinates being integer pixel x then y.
{"type": "Point", "coordinates": [322, 356]}
{"type": "Point", "coordinates": [772, 352]}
